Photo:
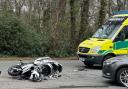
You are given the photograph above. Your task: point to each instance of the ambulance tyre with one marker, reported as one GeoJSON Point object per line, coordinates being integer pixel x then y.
{"type": "Point", "coordinates": [88, 64]}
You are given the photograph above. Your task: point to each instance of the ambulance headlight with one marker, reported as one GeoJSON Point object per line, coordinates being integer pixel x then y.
{"type": "Point", "coordinates": [95, 49]}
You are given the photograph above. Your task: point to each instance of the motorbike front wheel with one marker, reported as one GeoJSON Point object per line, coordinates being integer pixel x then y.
{"type": "Point", "coordinates": [15, 70]}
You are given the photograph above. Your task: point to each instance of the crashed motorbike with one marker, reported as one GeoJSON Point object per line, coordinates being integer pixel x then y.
{"type": "Point", "coordinates": [26, 71]}
{"type": "Point", "coordinates": [36, 71]}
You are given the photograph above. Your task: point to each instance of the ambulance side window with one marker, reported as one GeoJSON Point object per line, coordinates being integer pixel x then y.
{"type": "Point", "coordinates": [123, 35]}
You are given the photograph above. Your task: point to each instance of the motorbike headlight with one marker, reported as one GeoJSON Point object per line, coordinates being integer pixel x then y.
{"type": "Point", "coordinates": [95, 49]}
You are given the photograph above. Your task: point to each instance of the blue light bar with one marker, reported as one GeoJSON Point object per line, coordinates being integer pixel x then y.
{"type": "Point", "coordinates": [120, 12]}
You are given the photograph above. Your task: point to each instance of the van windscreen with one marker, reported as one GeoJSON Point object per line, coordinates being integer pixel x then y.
{"type": "Point", "coordinates": [107, 30]}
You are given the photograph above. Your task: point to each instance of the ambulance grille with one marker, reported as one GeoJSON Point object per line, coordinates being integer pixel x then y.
{"type": "Point", "coordinates": [84, 49]}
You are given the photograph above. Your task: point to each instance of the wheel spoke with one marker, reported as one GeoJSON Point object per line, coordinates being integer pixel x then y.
{"type": "Point", "coordinates": [126, 84]}
{"type": "Point", "coordinates": [123, 73]}
{"type": "Point", "coordinates": [125, 81]}
{"type": "Point", "coordinates": [126, 72]}
{"type": "Point", "coordinates": [124, 77]}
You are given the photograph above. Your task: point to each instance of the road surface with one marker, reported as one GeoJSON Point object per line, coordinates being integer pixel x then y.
{"type": "Point", "coordinates": [74, 76]}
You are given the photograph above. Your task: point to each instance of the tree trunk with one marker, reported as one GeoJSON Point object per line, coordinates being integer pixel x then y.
{"type": "Point", "coordinates": [109, 7]}
{"type": "Point", "coordinates": [102, 12]}
{"type": "Point", "coordinates": [84, 19]}
{"type": "Point", "coordinates": [121, 5]}
{"type": "Point", "coordinates": [73, 25]}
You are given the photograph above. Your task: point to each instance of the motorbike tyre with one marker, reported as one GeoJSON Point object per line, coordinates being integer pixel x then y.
{"type": "Point", "coordinates": [13, 72]}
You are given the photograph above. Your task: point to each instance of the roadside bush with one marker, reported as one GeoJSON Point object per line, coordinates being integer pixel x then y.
{"type": "Point", "coordinates": [18, 38]}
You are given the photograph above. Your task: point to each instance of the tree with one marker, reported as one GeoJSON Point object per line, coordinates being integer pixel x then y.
{"type": "Point", "coordinates": [102, 12]}
{"type": "Point", "coordinates": [121, 4]}
{"type": "Point", "coordinates": [18, 6]}
{"type": "Point", "coordinates": [73, 25]}
{"type": "Point", "coordinates": [84, 19]}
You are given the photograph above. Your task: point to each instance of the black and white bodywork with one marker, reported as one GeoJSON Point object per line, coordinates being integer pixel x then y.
{"type": "Point", "coordinates": [41, 68]}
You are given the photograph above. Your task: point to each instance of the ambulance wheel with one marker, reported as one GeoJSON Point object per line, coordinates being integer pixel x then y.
{"type": "Point", "coordinates": [88, 64]}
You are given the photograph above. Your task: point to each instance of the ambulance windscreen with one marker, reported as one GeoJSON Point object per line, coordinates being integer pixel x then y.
{"type": "Point", "coordinates": [107, 30]}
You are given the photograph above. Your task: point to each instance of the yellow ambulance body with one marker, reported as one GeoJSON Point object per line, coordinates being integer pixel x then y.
{"type": "Point", "coordinates": [110, 40]}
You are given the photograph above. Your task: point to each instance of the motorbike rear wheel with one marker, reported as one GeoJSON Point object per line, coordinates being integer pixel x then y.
{"type": "Point", "coordinates": [60, 68]}
{"type": "Point", "coordinates": [47, 70]}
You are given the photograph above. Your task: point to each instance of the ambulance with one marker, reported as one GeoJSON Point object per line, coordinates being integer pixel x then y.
{"type": "Point", "coordinates": [110, 40]}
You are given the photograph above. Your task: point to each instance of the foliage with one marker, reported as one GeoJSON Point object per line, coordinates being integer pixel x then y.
{"type": "Point", "coordinates": [51, 27]}
{"type": "Point", "coordinates": [18, 38]}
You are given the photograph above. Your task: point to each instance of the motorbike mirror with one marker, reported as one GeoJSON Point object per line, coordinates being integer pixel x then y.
{"type": "Point", "coordinates": [21, 60]}
{"type": "Point", "coordinates": [33, 63]}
